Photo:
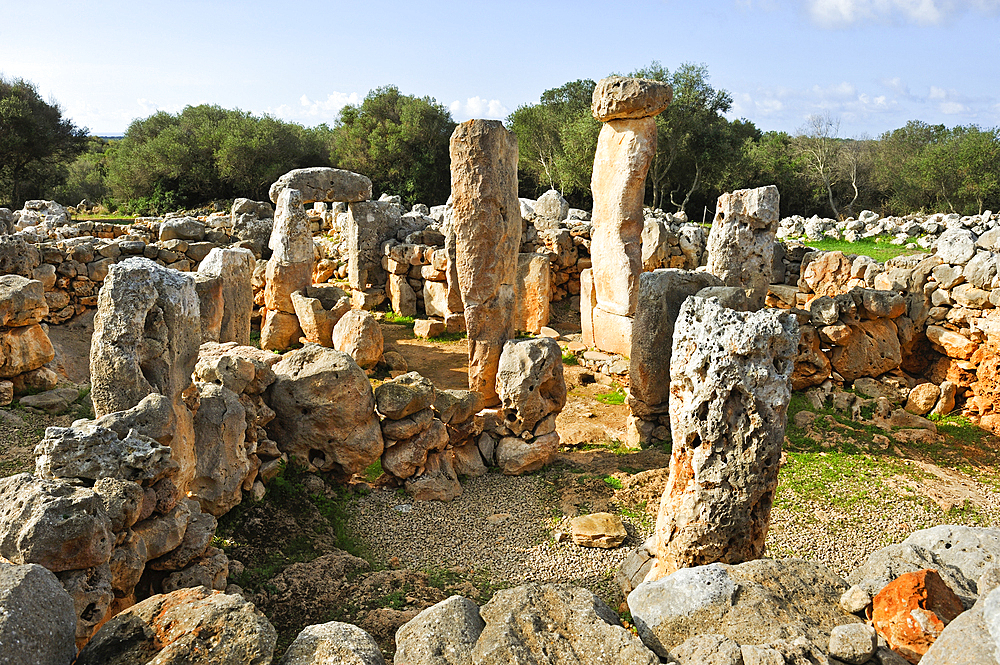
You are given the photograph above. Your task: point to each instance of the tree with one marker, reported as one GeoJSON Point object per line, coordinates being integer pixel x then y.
{"type": "Point", "coordinates": [35, 140]}
{"type": "Point", "coordinates": [820, 149]}
{"type": "Point", "coordinates": [557, 139]}
{"type": "Point", "coordinates": [399, 141]}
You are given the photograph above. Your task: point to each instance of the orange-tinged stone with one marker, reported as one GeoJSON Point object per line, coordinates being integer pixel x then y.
{"type": "Point", "coordinates": [912, 610]}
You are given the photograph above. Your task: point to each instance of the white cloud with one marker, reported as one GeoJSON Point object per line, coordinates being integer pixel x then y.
{"type": "Point", "coordinates": [952, 108]}
{"type": "Point", "coordinates": [477, 107]}
{"type": "Point", "coordinates": [843, 13]}
{"type": "Point", "coordinates": [310, 111]}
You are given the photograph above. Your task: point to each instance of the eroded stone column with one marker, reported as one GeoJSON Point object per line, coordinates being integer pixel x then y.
{"type": "Point", "coordinates": [288, 270]}
{"type": "Point", "coordinates": [234, 267]}
{"type": "Point", "coordinates": [730, 383]}
{"type": "Point", "coordinates": [147, 331]}
{"type": "Point", "coordinates": [625, 148]}
{"type": "Point", "coordinates": [741, 243]}
{"type": "Point", "coordinates": [486, 219]}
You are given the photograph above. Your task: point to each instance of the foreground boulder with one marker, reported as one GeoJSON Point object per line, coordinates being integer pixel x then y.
{"type": "Point", "coordinates": [754, 603]}
{"type": "Point", "coordinates": [912, 611]}
{"type": "Point", "coordinates": [187, 626]}
{"type": "Point", "coordinates": [333, 642]}
{"type": "Point", "coordinates": [555, 623]}
{"type": "Point", "coordinates": [444, 633]}
{"type": "Point", "coordinates": [37, 618]}
{"type": "Point", "coordinates": [973, 638]}
{"type": "Point", "coordinates": [324, 411]}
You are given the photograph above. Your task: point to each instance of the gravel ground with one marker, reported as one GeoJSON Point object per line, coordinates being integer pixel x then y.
{"type": "Point", "coordinates": [501, 526]}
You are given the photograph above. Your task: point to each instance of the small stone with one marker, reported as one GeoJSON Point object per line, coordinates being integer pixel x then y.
{"type": "Point", "coordinates": [427, 328]}
{"type": "Point", "coordinates": [602, 530]}
{"type": "Point", "coordinates": [853, 643]}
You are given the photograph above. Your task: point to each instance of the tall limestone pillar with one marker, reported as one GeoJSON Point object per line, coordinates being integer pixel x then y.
{"type": "Point", "coordinates": [741, 243]}
{"type": "Point", "coordinates": [730, 383]}
{"type": "Point", "coordinates": [486, 220]}
{"type": "Point", "coordinates": [625, 149]}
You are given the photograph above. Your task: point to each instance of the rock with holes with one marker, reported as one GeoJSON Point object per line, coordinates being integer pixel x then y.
{"type": "Point", "coordinates": [146, 336]}
{"type": "Point", "coordinates": [530, 382]}
{"type": "Point", "coordinates": [972, 550]}
{"type": "Point", "coordinates": [579, 629]}
{"type": "Point", "coordinates": [324, 411]}
{"type": "Point", "coordinates": [912, 611]}
{"type": "Point", "coordinates": [37, 617]}
{"type": "Point", "coordinates": [322, 183]}
{"type": "Point", "coordinates": [186, 626]}
{"type": "Point", "coordinates": [53, 522]}
{"type": "Point", "coordinates": [89, 451]}
{"type": "Point", "coordinates": [486, 224]}
{"type": "Point", "coordinates": [741, 242]}
{"type": "Point", "coordinates": [730, 387]}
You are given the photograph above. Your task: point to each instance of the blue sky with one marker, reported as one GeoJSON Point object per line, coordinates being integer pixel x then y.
{"type": "Point", "coordinates": [872, 64]}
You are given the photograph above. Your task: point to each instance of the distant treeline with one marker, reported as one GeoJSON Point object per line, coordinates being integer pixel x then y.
{"type": "Point", "coordinates": [206, 153]}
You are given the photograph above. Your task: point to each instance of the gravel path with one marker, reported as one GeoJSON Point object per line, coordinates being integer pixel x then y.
{"type": "Point", "coordinates": [501, 526]}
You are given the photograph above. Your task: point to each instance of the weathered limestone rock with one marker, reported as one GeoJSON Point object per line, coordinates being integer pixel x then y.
{"type": "Point", "coordinates": [443, 634]}
{"type": "Point", "coordinates": [617, 97]}
{"type": "Point", "coordinates": [335, 642]}
{"type": "Point", "coordinates": [37, 617]}
{"type": "Point", "coordinates": [188, 625]}
{"type": "Point", "coordinates": [407, 457]}
{"type": "Point", "coordinates": [530, 382]}
{"type": "Point", "coordinates": [321, 183]}
{"type": "Point", "coordinates": [369, 224]}
{"type": "Point", "coordinates": [624, 151]}
{"type": "Point", "coordinates": [183, 228]}
{"type": "Point", "coordinates": [972, 638]}
{"type": "Point", "coordinates": [197, 537]}
{"type": "Point", "coordinates": [912, 610]}
{"type": "Point", "coordinates": [89, 451]}
{"type": "Point", "coordinates": [437, 481]}
{"type": "Point", "coordinates": [146, 336]}
{"type": "Point", "coordinates": [279, 330]}
{"type": "Point", "coordinates": [223, 461]}
{"type": "Point", "coordinates": [661, 294]}
{"type": "Point", "coordinates": [873, 349]}
{"type": "Point", "coordinates": [316, 323]}
{"type": "Point", "coordinates": [404, 396]}
{"type": "Point", "coordinates": [324, 411]}
{"type": "Point", "coordinates": [853, 643]}
{"type": "Point", "coordinates": [402, 297]}
{"type": "Point", "coordinates": [825, 273]}
{"type": "Point", "coordinates": [579, 628]}
{"type": "Point", "coordinates": [756, 602]}
{"type": "Point", "coordinates": [234, 266]}
{"type": "Point", "coordinates": [122, 502]}
{"type": "Point", "coordinates": [92, 596]}
{"type": "Point", "coordinates": [552, 205]}
{"type": "Point", "coordinates": [24, 349]}
{"type": "Point", "coordinates": [486, 219]}
{"type": "Point", "coordinates": [515, 456]}
{"type": "Point", "coordinates": [22, 301]}
{"type": "Point", "coordinates": [53, 523]}
{"type": "Point", "coordinates": [602, 530]}
{"type": "Point", "coordinates": [812, 367]}
{"type": "Point", "coordinates": [282, 280]}
{"type": "Point", "coordinates": [531, 304]}
{"type": "Point", "coordinates": [730, 387]}
{"type": "Point", "coordinates": [741, 242]}
{"type": "Point", "coordinates": [164, 532]}
{"type": "Point", "coordinates": [290, 266]}
{"type": "Point", "coordinates": [210, 305]}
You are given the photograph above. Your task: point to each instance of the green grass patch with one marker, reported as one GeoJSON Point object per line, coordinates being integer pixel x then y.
{"type": "Point", "coordinates": [569, 358]}
{"type": "Point", "coordinates": [616, 396]}
{"type": "Point", "coordinates": [880, 250]}
{"type": "Point", "coordinates": [449, 337]}
{"type": "Point", "coordinates": [392, 317]}
{"type": "Point", "coordinates": [373, 472]}
{"type": "Point", "coordinates": [613, 482]}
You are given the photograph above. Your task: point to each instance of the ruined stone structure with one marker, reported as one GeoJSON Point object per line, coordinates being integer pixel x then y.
{"type": "Point", "coordinates": [624, 150]}
{"type": "Point", "coordinates": [730, 384]}
{"type": "Point", "coordinates": [741, 243]}
{"type": "Point", "coordinates": [486, 218]}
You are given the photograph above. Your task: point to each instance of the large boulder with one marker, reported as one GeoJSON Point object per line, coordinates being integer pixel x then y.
{"type": "Point", "coordinates": [730, 388]}
{"type": "Point", "coordinates": [92, 452]}
{"type": "Point", "coordinates": [24, 349]}
{"type": "Point", "coordinates": [54, 523]}
{"type": "Point", "coordinates": [972, 638]}
{"type": "Point", "coordinates": [358, 334]}
{"type": "Point", "coordinates": [321, 183]}
{"type": "Point", "coordinates": [554, 623]}
{"type": "Point", "coordinates": [443, 634]}
{"type": "Point", "coordinates": [324, 411]}
{"type": "Point", "coordinates": [486, 222]}
{"type": "Point", "coordinates": [756, 602]}
{"type": "Point", "coordinates": [405, 395]}
{"type": "Point", "coordinates": [22, 301]}
{"type": "Point", "coordinates": [618, 97]}
{"type": "Point", "coordinates": [187, 626]}
{"type": "Point", "coordinates": [37, 617]}
{"type": "Point", "coordinates": [872, 349]}
{"type": "Point", "coordinates": [334, 642]}
{"type": "Point", "coordinates": [530, 382]}
{"type": "Point", "coordinates": [552, 205]}
{"type": "Point", "coordinates": [223, 458]}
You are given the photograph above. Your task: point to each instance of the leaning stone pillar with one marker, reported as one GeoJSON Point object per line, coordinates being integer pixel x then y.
{"type": "Point", "coordinates": [486, 219]}
{"type": "Point", "coordinates": [625, 148]}
{"type": "Point", "coordinates": [234, 267]}
{"type": "Point", "coordinates": [730, 383]}
{"type": "Point", "coordinates": [741, 243]}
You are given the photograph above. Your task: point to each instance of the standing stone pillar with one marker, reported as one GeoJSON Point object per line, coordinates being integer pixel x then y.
{"type": "Point", "coordinates": [730, 383]}
{"type": "Point", "coordinates": [741, 243]}
{"type": "Point", "coordinates": [288, 270]}
{"type": "Point", "coordinates": [486, 219]}
{"type": "Point", "coordinates": [147, 331]}
{"type": "Point", "coordinates": [234, 267]}
{"type": "Point", "coordinates": [625, 148]}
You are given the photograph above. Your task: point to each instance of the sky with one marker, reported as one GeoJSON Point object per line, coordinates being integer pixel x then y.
{"type": "Point", "coordinates": [871, 65]}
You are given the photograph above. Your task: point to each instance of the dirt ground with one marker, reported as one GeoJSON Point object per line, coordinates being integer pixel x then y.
{"type": "Point", "coordinates": [845, 489]}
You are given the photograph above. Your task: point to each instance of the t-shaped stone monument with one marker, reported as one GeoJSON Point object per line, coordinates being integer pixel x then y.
{"type": "Point", "coordinates": [625, 148]}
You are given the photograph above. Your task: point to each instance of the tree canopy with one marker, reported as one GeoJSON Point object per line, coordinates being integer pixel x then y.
{"type": "Point", "coordinates": [35, 141]}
